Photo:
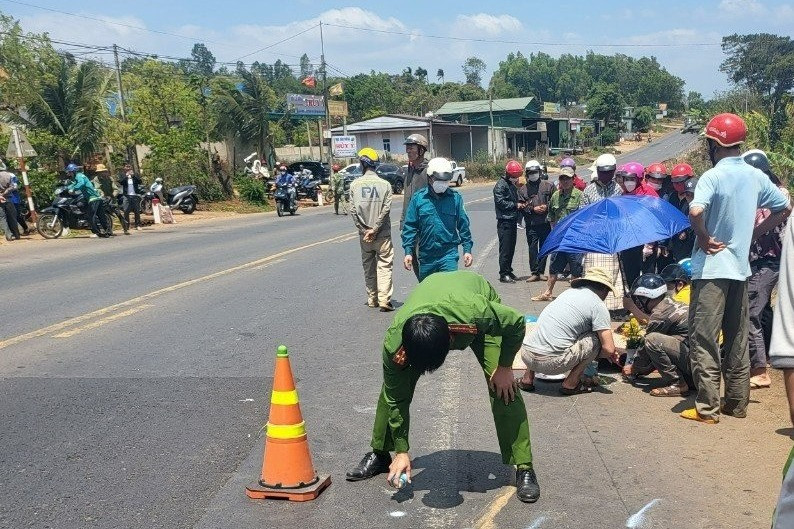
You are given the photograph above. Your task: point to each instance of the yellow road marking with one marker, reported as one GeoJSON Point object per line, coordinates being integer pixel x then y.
{"type": "Point", "coordinates": [139, 299]}
{"type": "Point", "coordinates": [486, 521]}
{"type": "Point", "coordinates": [263, 266]}
{"type": "Point", "coordinates": [98, 323]}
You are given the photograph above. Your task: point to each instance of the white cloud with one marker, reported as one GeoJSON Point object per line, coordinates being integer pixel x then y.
{"type": "Point", "coordinates": [493, 25]}
{"type": "Point", "coordinates": [742, 7]}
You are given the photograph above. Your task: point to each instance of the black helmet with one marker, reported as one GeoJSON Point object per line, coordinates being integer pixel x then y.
{"type": "Point", "coordinates": [690, 185]}
{"type": "Point", "coordinates": [674, 272]}
{"type": "Point", "coordinates": [757, 158]}
{"type": "Point", "coordinates": [649, 286]}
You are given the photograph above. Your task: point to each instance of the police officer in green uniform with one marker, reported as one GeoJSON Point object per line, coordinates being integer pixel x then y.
{"type": "Point", "coordinates": [338, 185]}
{"type": "Point", "coordinates": [450, 310]}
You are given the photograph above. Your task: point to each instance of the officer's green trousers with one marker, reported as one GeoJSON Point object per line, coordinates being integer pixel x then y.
{"type": "Point", "coordinates": [512, 425]}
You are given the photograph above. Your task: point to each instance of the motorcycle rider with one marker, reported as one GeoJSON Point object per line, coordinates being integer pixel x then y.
{"type": "Point", "coordinates": [97, 219]}
{"type": "Point", "coordinates": [578, 183]}
{"type": "Point", "coordinates": [286, 179]}
{"type": "Point", "coordinates": [415, 179]}
{"type": "Point", "coordinates": [508, 208]}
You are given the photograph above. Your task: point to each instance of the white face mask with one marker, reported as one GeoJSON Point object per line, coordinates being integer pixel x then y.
{"type": "Point", "coordinates": [630, 185]}
{"type": "Point", "coordinates": [657, 187]}
{"type": "Point", "coordinates": [533, 177]}
{"type": "Point", "coordinates": [439, 186]}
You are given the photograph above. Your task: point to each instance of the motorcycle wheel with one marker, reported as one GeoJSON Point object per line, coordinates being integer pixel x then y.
{"type": "Point", "coordinates": [109, 220]}
{"type": "Point", "coordinates": [44, 229]}
{"type": "Point", "coordinates": [279, 209]}
{"type": "Point", "coordinates": [146, 206]}
{"type": "Point", "coordinates": [189, 208]}
{"type": "Point", "coordinates": [329, 195]}
{"type": "Point", "coordinates": [398, 188]}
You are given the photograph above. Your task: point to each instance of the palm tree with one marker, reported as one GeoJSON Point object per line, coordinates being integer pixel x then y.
{"type": "Point", "coordinates": [71, 107]}
{"type": "Point", "coordinates": [244, 111]}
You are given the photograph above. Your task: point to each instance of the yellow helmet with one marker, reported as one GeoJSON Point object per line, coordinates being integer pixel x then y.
{"type": "Point", "coordinates": [368, 153]}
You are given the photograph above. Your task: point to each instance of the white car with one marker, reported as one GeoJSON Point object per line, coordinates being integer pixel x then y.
{"type": "Point", "coordinates": [352, 169]}
{"type": "Point", "coordinates": [458, 173]}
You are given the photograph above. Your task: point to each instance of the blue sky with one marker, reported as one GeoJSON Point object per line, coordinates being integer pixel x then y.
{"type": "Point", "coordinates": [235, 29]}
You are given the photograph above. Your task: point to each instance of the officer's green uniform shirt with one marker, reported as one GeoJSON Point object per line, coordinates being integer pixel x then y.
{"type": "Point", "coordinates": [478, 320]}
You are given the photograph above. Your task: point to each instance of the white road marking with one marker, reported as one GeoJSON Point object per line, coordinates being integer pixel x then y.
{"type": "Point", "coordinates": [637, 519]}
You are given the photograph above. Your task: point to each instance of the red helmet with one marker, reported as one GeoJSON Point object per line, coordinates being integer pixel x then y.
{"type": "Point", "coordinates": [513, 169]}
{"type": "Point", "coordinates": [726, 129]}
{"type": "Point", "coordinates": [656, 170]}
{"type": "Point", "coordinates": [681, 172]}
{"type": "Point", "coordinates": [336, 167]}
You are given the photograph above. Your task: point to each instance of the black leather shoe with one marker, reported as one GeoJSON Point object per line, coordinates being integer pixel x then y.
{"type": "Point", "coordinates": [374, 463]}
{"type": "Point", "coordinates": [506, 279]}
{"type": "Point", "coordinates": [527, 488]}
{"type": "Point", "coordinates": [512, 276]}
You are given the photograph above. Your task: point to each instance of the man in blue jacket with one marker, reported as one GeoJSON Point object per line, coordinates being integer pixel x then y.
{"type": "Point", "coordinates": [436, 221]}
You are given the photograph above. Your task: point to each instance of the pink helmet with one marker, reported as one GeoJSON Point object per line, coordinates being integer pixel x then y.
{"type": "Point", "coordinates": [634, 168]}
{"type": "Point", "coordinates": [568, 162]}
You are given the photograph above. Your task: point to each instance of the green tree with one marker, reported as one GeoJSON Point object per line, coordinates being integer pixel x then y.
{"type": "Point", "coordinates": [695, 101]}
{"type": "Point", "coordinates": [201, 63]}
{"type": "Point", "coordinates": [512, 78]}
{"type": "Point", "coordinates": [245, 112]}
{"type": "Point", "coordinates": [421, 74]}
{"type": "Point", "coordinates": [440, 75]}
{"type": "Point", "coordinates": [70, 108]}
{"type": "Point", "coordinates": [606, 103]}
{"type": "Point", "coordinates": [307, 68]}
{"type": "Point", "coordinates": [473, 69]}
{"type": "Point", "coordinates": [764, 63]}
{"type": "Point", "coordinates": [643, 118]}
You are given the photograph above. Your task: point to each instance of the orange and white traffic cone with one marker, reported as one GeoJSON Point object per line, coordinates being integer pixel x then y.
{"type": "Point", "coordinates": [287, 470]}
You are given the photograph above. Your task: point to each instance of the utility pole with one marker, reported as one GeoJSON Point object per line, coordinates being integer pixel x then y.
{"type": "Point", "coordinates": [132, 155]}
{"type": "Point", "coordinates": [490, 112]}
{"type": "Point", "coordinates": [323, 69]}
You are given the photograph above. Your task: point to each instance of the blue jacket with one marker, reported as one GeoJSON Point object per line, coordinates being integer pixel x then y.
{"type": "Point", "coordinates": [438, 223]}
{"type": "Point", "coordinates": [83, 185]}
{"type": "Point", "coordinates": [285, 179]}
{"type": "Point", "coordinates": [15, 198]}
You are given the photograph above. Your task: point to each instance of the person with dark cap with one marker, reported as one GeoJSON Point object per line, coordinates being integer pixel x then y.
{"type": "Point", "coordinates": [765, 253]}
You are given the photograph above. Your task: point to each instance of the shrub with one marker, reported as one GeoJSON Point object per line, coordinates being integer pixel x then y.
{"type": "Point", "coordinates": [609, 136]}
{"type": "Point", "coordinates": [250, 189]}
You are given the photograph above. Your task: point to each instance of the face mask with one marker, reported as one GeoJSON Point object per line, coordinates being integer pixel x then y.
{"type": "Point", "coordinates": [630, 185]}
{"type": "Point", "coordinates": [605, 178]}
{"type": "Point", "coordinates": [657, 187]}
{"type": "Point", "coordinates": [533, 177]}
{"type": "Point", "coordinates": [679, 187]}
{"type": "Point", "coordinates": [440, 186]}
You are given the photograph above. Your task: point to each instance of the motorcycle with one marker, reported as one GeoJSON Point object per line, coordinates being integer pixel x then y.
{"type": "Point", "coordinates": [183, 198]}
{"type": "Point", "coordinates": [307, 186]}
{"type": "Point", "coordinates": [284, 201]}
{"type": "Point", "coordinates": [67, 211]}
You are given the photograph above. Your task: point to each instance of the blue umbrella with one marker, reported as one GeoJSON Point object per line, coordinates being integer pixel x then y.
{"type": "Point", "coordinates": [615, 224]}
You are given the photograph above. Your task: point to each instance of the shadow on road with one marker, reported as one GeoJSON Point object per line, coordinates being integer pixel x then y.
{"type": "Point", "coordinates": [448, 473]}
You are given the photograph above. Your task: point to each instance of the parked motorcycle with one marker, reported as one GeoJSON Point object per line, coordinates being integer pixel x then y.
{"type": "Point", "coordinates": [184, 198]}
{"type": "Point", "coordinates": [307, 186]}
{"type": "Point", "coordinates": [284, 201]}
{"type": "Point", "coordinates": [68, 210]}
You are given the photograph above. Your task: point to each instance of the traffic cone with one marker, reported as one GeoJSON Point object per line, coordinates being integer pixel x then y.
{"type": "Point", "coordinates": [287, 470]}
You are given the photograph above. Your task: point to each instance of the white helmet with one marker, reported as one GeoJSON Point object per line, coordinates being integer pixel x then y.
{"type": "Point", "coordinates": [606, 162]}
{"type": "Point", "coordinates": [440, 169]}
{"type": "Point", "coordinates": [532, 165]}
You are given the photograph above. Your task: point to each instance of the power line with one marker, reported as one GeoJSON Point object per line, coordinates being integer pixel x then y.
{"type": "Point", "coordinates": [105, 21]}
{"type": "Point", "coordinates": [520, 42]}
{"type": "Point", "coordinates": [279, 42]}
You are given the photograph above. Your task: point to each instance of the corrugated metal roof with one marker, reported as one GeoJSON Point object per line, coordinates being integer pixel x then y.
{"type": "Point", "coordinates": [482, 105]}
{"type": "Point", "coordinates": [384, 123]}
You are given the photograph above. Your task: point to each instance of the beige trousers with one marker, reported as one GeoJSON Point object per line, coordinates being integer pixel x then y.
{"type": "Point", "coordinates": [378, 260]}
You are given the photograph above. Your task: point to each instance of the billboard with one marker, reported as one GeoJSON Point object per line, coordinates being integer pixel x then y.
{"type": "Point", "coordinates": [305, 105]}
{"type": "Point", "coordinates": [551, 108]}
{"type": "Point", "coordinates": [344, 146]}
{"type": "Point", "coordinates": [337, 108]}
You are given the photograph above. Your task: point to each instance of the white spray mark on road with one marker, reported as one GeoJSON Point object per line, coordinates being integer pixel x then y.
{"type": "Point", "coordinates": [246, 400]}
{"type": "Point", "coordinates": [397, 514]}
{"type": "Point", "coordinates": [484, 255]}
{"type": "Point", "coordinates": [536, 523]}
{"type": "Point", "coordinates": [638, 519]}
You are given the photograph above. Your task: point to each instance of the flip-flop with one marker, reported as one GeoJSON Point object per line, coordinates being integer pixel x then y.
{"type": "Point", "coordinates": [542, 297]}
{"type": "Point", "coordinates": [756, 385]}
{"type": "Point", "coordinates": [523, 386]}
{"type": "Point", "coordinates": [581, 388]}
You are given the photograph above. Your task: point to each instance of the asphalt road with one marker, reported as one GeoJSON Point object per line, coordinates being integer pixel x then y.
{"type": "Point", "coordinates": [135, 379]}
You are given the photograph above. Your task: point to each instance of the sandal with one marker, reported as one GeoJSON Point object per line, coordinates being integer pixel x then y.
{"type": "Point", "coordinates": [673, 390]}
{"type": "Point", "coordinates": [754, 384]}
{"type": "Point", "coordinates": [581, 388]}
{"type": "Point", "coordinates": [542, 297]}
{"type": "Point", "coordinates": [523, 386]}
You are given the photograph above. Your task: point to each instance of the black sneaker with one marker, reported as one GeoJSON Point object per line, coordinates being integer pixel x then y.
{"type": "Point", "coordinates": [506, 279]}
